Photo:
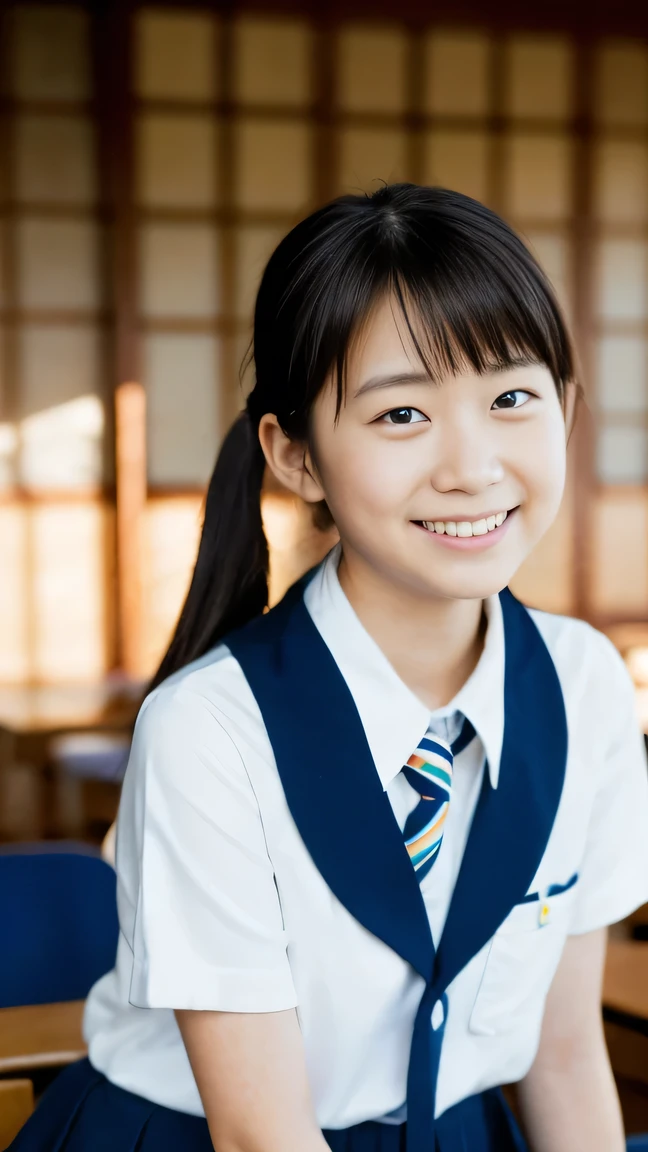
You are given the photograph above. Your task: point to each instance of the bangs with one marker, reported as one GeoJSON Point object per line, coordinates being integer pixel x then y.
{"type": "Point", "coordinates": [482, 325]}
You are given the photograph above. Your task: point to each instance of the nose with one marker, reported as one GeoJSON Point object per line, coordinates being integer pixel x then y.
{"type": "Point", "coordinates": [465, 460]}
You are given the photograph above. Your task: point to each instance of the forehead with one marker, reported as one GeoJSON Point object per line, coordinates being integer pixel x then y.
{"type": "Point", "coordinates": [383, 341]}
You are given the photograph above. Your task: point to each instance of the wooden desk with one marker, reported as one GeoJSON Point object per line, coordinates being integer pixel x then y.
{"type": "Point", "coordinates": [40, 1036]}
{"type": "Point", "coordinates": [30, 716]}
{"type": "Point", "coordinates": [36, 709]}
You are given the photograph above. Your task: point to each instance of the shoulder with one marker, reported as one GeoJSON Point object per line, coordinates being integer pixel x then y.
{"type": "Point", "coordinates": [201, 711]}
{"type": "Point", "coordinates": [587, 662]}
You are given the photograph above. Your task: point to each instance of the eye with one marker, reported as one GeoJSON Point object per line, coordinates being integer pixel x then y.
{"type": "Point", "coordinates": [403, 416]}
{"type": "Point", "coordinates": [511, 400]}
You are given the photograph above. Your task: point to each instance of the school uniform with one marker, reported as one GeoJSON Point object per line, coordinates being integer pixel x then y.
{"type": "Point", "coordinates": [262, 866]}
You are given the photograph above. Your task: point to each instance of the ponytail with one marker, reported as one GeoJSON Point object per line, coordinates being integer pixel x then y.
{"type": "Point", "coordinates": [230, 581]}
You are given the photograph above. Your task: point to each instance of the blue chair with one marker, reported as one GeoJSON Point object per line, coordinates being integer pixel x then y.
{"type": "Point", "coordinates": [58, 913]}
{"type": "Point", "coordinates": [637, 1143]}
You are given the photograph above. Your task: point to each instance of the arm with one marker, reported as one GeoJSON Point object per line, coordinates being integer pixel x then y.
{"type": "Point", "coordinates": [568, 1100]}
{"type": "Point", "coordinates": [251, 1074]}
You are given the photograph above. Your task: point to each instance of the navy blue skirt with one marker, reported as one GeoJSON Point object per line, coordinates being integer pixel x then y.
{"type": "Point", "coordinates": [82, 1111]}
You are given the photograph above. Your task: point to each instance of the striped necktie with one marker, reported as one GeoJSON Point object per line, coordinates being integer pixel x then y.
{"type": "Point", "coordinates": [429, 772]}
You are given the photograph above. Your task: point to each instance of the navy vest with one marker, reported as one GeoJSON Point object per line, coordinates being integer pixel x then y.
{"type": "Point", "coordinates": [306, 704]}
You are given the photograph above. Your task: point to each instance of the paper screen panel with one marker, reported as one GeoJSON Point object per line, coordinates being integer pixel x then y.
{"type": "Point", "coordinates": [553, 252]}
{"type": "Point", "coordinates": [457, 160]}
{"type": "Point", "coordinates": [68, 557]}
{"type": "Point", "coordinates": [538, 73]}
{"type": "Point", "coordinates": [57, 364]}
{"type": "Point", "coordinates": [619, 556]}
{"type": "Point", "coordinates": [182, 380]}
{"type": "Point", "coordinates": [622, 454]}
{"type": "Point", "coordinates": [272, 61]}
{"type": "Point", "coordinates": [9, 441]}
{"type": "Point", "coordinates": [622, 374]}
{"type": "Point", "coordinates": [58, 264]}
{"type": "Point", "coordinates": [539, 176]}
{"type": "Point", "coordinates": [621, 181]}
{"type": "Point", "coordinates": [62, 447]}
{"type": "Point", "coordinates": [176, 161]}
{"type": "Point", "coordinates": [273, 165]}
{"type": "Point", "coordinates": [55, 161]}
{"type": "Point", "coordinates": [370, 155]}
{"type": "Point", "coordinates": [621, 84]}
{"type": "Point", "coordinates": [253, 247]}
{"type": "Point", "coordinates": [546, 579]}
{"type": "Point", "coordinates": [622, 279]}
{"type": "Point", "coordinates": [60, 406]}
{"type": "Point", "coordinates": [175, 54]}
{"type": "Point", "coordinates": [170, 534]}
{"type": "Point", "coordinates": [179, 270]}
{"type": "Point", "coordinates": [50, 52]}
{"type": "Point", "coordinates": [457, 74]}
{"type": "Point", "coordinates": [14, 594]}
{"type": "Point", "coordinates": [371, 69]}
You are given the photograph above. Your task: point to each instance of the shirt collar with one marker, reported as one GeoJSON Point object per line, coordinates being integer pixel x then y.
{"type": "Point", "coordinates": [393, 717]}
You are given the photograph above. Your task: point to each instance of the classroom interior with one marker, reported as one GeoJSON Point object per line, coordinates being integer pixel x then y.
{"type": "Point", "coordinates": [151, 157]}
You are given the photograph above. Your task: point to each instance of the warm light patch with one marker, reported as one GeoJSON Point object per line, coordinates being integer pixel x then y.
{"type": "Point", "coordinates": [295, 544]}
{"type": "Point", "coordinates": [62, 447]}
{"type": "Point", "coordinates": [67, 546]}
{"type": "Point", "coordinates": [170, 534]}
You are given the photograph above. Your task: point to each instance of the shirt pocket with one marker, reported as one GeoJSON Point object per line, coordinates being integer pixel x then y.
{"type": "Point", "coordinates": [521, 963]}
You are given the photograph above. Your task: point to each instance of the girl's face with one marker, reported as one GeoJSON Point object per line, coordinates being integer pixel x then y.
{"type": "Point", "coordinates": [440, 488]}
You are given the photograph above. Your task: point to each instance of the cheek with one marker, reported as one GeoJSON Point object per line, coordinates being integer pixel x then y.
{"type": "Point", "coordinates": [544, 460]}
{"type": "Point", "coordinates": [378, 474]}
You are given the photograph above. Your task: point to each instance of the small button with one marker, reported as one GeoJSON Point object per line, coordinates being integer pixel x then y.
{"type": "Point", "coordinates": [438, 1015]}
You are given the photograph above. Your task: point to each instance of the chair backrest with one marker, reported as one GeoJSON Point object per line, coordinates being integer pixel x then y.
{"type": "Point", "coordinates": [58, 923]}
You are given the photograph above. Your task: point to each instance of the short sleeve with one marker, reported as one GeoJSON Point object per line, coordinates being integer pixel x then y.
{"type": "Point", "coordinates": [614, 870]}
{"type": "Point", "coordinates": [198, 902]}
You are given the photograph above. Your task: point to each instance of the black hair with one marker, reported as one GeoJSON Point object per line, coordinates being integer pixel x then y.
{"type": "Point", "coordinates": [472, 296]}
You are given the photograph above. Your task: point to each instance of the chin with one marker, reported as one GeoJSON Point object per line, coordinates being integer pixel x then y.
{"type": "Point", "coordinates": [467, 585]}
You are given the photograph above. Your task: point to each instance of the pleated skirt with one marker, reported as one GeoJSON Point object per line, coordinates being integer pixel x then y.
{"type": "Point", "coordinates": [82, 1111]}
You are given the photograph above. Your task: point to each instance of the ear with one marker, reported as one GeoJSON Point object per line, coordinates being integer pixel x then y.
{"type": "Point", "coordinates": [289, 461]}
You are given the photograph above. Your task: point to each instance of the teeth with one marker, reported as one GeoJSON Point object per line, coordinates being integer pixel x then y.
{"type": "Point", "coordinates": [465, 528]}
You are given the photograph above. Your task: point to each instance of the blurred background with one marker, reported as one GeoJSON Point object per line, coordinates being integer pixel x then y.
{"type": "Point", "coordinates": [151, 157]}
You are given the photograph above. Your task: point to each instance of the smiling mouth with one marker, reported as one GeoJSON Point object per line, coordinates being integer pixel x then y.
{"type": "Point", "coordinates": [466, 528]}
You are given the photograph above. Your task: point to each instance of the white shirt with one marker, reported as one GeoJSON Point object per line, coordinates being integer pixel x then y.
{"type": "Point", "coordinates": [222, 908]}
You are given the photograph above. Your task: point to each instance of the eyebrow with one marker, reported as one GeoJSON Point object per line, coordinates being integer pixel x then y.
{"type": "Point", "coordinates": [391, 380]}
{"type": "Point", "coordinates": [521, 361]}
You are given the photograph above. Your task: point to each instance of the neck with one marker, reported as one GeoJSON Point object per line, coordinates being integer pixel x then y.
{"type": "Point", "coordinates": [433, 643]}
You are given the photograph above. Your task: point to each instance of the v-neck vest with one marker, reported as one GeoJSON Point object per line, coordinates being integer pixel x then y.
{"type": "Point", "coordinates": [321, 752]}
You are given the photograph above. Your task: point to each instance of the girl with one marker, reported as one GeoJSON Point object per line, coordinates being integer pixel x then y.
{"type": "Point", "coordinates": [369, 842]}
